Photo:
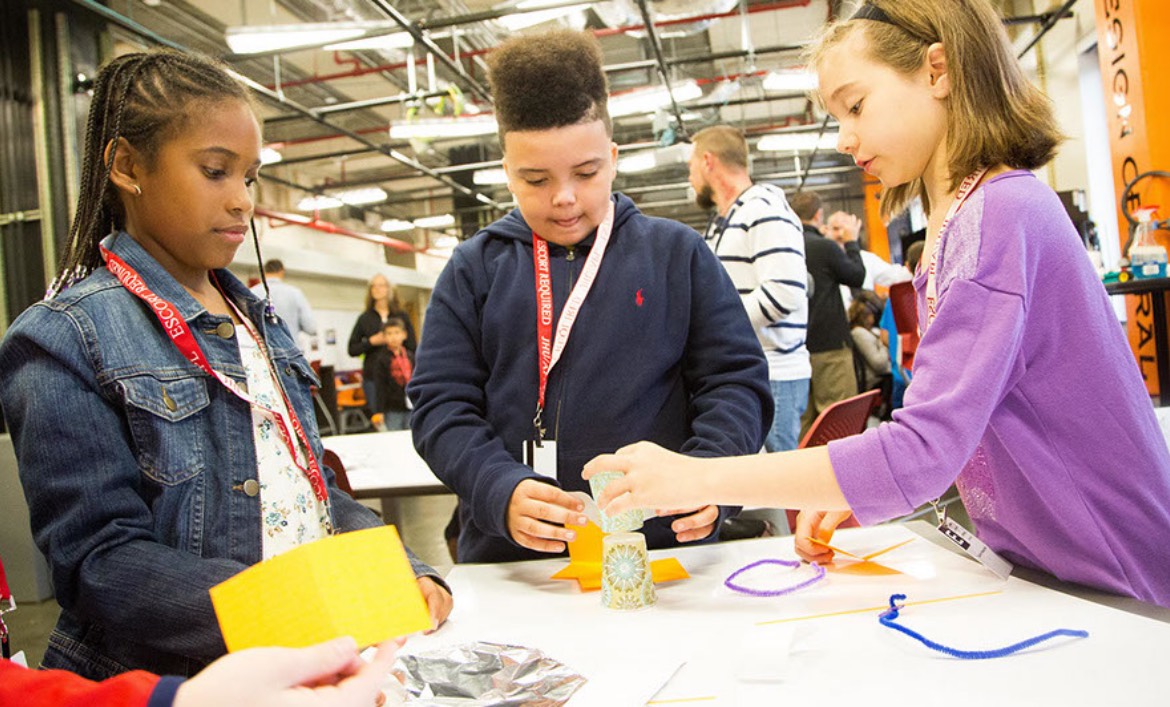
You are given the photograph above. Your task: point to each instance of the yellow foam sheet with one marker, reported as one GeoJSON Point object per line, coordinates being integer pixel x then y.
{"type": "Point", "coordinates": [585, 561]}
{"type": "Point", "coordinates": [356, 584]}
{"type": "Point", "coordinates": [859, 564]}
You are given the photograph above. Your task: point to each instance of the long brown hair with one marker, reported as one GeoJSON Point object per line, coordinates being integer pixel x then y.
{"type": "Point", "coordinates": [394, 304]}
{"type": "Point", "coordinates": [144, 98]}
{"type": "Point", "coordinates": [994, 113]}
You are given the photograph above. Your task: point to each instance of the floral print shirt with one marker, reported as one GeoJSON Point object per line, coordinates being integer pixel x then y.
{"type": "Point", "coordinates": [291, 515]}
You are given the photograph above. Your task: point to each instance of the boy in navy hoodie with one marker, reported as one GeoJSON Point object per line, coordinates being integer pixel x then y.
{"type": "Point", "coordinates": [573, 326]}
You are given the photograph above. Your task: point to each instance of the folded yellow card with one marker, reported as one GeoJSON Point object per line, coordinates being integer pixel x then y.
{"type": "Point", "coordinates": [356, 584]}
{"type": "Point", "coordinates": [585, 561]}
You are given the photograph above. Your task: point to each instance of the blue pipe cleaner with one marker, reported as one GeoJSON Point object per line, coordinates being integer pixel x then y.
{"type": "Point", "coordinates": [889, 616]}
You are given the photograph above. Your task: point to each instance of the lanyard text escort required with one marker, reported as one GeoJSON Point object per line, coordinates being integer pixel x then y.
{"type": "Point", "coordinates": [954, 532]}
{"type": "Point", "coordinates": [549, 349]}
{"type": "Point", "coordinates": [176, 328]}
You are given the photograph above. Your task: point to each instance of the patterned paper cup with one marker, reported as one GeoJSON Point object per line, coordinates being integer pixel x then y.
{"type": "Point", "coordinates": [622, 522]}
{"type": "Point", "coordinates": [626, 581]}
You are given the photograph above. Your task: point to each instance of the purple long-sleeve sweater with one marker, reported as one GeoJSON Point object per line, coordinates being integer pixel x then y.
{"type": "Point", "coordinates": [1027, 392]}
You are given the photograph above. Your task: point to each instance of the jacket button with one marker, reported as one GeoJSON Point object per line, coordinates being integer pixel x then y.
{"type": "Point", "coordinates": [225, 330]}
{"type": "Point", "coordinates": [252, 487]}
{"type": "Point", "coordinates": [169, 401]}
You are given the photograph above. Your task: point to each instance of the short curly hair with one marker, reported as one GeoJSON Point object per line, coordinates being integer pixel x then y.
{"type": "Point", "coordinates": [548, 81]}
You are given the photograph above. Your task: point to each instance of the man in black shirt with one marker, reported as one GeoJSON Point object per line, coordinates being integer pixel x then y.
{"type": "Point", "coordinates": [829, 345]}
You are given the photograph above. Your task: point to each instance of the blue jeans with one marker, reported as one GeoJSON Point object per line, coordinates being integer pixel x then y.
{"type": "Point", "coordinates": [396, 419]}
{"type": "Point", "coordinates": [791, 399]}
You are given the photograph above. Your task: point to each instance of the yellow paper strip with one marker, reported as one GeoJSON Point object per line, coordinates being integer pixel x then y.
{"type": "Point", "coordinates": [874, 608]}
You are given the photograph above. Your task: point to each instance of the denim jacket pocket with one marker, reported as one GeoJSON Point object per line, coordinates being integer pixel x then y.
{"type": "Point", "coordinates": [166, 426]}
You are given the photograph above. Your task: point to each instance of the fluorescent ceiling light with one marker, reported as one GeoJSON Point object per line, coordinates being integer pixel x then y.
{"type": "Point", "coordinates": [394, 40]}
{"type": "Point", "coordinates": [489, 177]}
{"type": "Point", "coordinates": [797, 142]}
{"type": "Point", "coordinates": [518, 22]}
{"type": "Point", "coordinates": [645, 160]}
{"type": "Point", "coordinates": [270, 155]}
{"type": "Point", "coordinates": [648, 100]}
{"type": "Point", "coordinates": [353, 197]}
{"type": "Point", "coordinates": [253, 40]}
{"type": "Point", "coordinates": [472, 126]}
{"type": "Point", "coordinates": [435, 222]}
{"type": "Point", "coordinates": [368, 195]}
{"type": "Point", "coordinates": [318, 202]}
{"type": "Point", "coordinates": [396, 225]}
{"type": "Point", "coordinates": [445, 242]}
{"type": "Point", "coordinates": [638, 162]}
{"type": "Point", "coordinates": [790, 80]}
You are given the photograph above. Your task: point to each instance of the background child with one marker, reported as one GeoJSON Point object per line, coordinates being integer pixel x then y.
{"type": "Point", "coordinates": [661, 347]}
{"type": "Point", "coordinates": [148, 478]}
{"type": "Point", "coordinates": [1025, 389]}
{"type": "Point", "coordinates": [392, 376]}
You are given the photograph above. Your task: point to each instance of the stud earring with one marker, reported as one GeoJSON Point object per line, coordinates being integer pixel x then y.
{"type": "Point", "coordinates": [137, 190]}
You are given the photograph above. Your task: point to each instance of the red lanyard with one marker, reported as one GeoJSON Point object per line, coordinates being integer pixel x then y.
{"type": "Point", "coordinates": [550, 349]}
{"type": "Point", "coordinates": [966, 188]}
{"type": "Point", "coordinates": [176, 328]}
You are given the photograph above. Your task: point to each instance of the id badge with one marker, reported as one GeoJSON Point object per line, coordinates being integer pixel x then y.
{"type": "Point", "coordinates": [975, 547]}
{"type": "Point", "coordinates": [542, 457]}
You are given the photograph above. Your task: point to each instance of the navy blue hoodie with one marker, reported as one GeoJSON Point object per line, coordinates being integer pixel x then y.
{"type": "Point", "coordinates": [662, 350]}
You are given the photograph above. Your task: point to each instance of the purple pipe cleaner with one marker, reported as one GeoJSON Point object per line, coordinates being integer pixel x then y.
{"type": "Point", "coordinates": [730, 581]}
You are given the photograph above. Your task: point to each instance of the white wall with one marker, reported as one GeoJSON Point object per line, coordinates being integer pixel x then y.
{"type": "Point", "coordinates": [333, 271]}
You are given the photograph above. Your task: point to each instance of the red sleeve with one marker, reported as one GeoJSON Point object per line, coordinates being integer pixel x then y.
{"type": "Point", "coordinates": [60, 688]}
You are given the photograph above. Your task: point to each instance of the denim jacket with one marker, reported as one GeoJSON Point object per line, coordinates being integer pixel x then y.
{"type": "Point", "coordinates": [135, 465]}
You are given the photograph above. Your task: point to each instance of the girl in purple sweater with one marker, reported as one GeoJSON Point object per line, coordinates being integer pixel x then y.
{"type": "Point", "coordinates": [1025, 391]}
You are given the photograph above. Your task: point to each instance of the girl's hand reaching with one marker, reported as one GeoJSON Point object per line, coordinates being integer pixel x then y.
{"type": "Point", "coordinates": [653, 478]}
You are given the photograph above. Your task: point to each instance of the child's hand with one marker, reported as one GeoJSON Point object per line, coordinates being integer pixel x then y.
{"type": "Point", "coordinates": [438, 600]}
{"type": "Point", "coordinates": [819, 525]}
{"type": "Point", "coordinates": [534, 507]}
{"type": "Point", "coordinates": [654, 478]}
{"type": "Point", "coordinates": [325, 675]}
{"type": "Point", "coordinates": [692, 523]}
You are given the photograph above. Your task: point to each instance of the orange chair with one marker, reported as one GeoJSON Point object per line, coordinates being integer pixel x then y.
{"type": "Point", "coordinates": [351, 402]}
{"type": "Point", "coordinates": [331, 460]}
{"type": "Point", "coordinates": [843, 418]}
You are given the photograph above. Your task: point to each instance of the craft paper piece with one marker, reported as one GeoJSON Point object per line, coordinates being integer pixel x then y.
{"type": "Point", "coordinates": [585, 556]}
{"type": "Point", "coordinates": [356, 584]}
{"type": "Point", "coordinates": [862, 564]}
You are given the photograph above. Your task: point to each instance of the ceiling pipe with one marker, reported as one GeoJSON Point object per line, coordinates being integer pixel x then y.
{"type": "Point", "coordinates": [326, 227]}
{"type": "Point", "coordinates": [1049, 23]}
{"type": "Point", "coordinates": [475, 17]}
{"type": "Point", "coordinates": [132, 26]}
{"type": "Point", "coordinates": [359, 105]}
{"type": "Point", "coordinates": [663, 73]}
{"type": "Point", "coordinates": [420, 37]}
{"type": "Point", "coordinates": [816, 148]}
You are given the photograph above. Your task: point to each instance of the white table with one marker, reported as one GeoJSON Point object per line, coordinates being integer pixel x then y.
{"type": "Point", "coordinates": [384, 465]}
{"type": "Point", "coordinates": [823, 645]}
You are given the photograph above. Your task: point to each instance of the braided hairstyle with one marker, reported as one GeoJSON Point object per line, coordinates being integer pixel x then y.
{"type": "Point", "coordinates": [146, 98]}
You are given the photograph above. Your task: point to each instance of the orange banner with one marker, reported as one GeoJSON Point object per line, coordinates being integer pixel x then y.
{"type": "Point", "coordinates": [1132, 47]}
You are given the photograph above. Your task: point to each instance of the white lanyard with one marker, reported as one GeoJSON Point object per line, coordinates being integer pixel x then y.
{"type": "Point", "coordinates": [549, 348]}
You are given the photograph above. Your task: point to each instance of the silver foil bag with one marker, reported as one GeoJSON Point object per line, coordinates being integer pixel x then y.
{"type": "Point", "coordinates": [481, 673]}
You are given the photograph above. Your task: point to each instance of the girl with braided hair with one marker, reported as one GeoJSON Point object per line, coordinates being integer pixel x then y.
{"type": "Point", "coordinates": [162, 421]}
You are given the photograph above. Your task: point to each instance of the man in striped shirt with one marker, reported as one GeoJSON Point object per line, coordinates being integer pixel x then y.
{"type": "Point", "coordinates": [758, 238]}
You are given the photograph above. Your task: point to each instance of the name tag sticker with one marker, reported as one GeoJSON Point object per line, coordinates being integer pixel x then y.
{"type": "Point", "coordinates": [542, 458]}
{"type": "Point", "coordinates": [975, 547]}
